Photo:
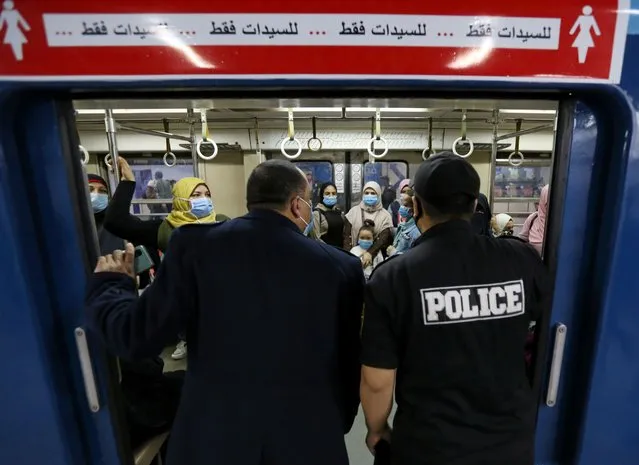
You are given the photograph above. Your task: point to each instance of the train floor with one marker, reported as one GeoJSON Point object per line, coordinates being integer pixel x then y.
{"type": "Point", "coordinates": [358, 454]}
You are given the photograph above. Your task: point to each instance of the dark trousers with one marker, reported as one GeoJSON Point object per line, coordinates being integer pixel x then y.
{"type": "Point", "coordinates": [515, 453]}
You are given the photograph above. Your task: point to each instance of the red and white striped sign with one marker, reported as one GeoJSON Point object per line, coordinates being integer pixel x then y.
{"type": "Point", "coordinates": [535, 41]}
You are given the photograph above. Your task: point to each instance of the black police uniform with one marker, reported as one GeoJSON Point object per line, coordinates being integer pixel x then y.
{"type": "Point", "coordinates": [451, 315]}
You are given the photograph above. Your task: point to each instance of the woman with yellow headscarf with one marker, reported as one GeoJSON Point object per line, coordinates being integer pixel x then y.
{"type": "Point", "coordinates": [192, 204]}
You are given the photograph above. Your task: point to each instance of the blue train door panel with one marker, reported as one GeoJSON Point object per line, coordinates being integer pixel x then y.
{"type": "Point", "coordinates": [59, 399]}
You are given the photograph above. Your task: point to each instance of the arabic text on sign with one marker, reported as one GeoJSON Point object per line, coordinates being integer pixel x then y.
{"type": "Point", "coordinates": [100, 29]}
{"type": "Point", "coordinates": [355, 29]}
{"type": "Point", "coordinates": [92, 30]}
{"type": "Point", "coordinates": [271, 32]}
{"type": "Point", "coordinates": [225, 28]}
{"type": "Point", "coordinates": [485, 30]}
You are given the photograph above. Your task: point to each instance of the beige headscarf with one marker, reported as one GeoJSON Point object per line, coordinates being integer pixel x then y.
{"type": "Point", "coordinates": [501, 221]}
{"type": "Point", "coordinates": [375, 213]}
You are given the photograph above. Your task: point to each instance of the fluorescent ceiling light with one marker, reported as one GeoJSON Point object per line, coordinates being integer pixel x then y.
{"type": "Point", "coordinates": [90, 112]}
{"type": "Point", "coordinates": [155, 111]}
{"type": "Point", "coordinates": [355, 110]}
{"type": "Point", "coordinates": [389, 110]}
{"type": "Point", "coordinates": [311, 110]}
{"type": "Point", "coordinates": [530, 112]}
{"type": "Point", "coordinates": [158, 111]}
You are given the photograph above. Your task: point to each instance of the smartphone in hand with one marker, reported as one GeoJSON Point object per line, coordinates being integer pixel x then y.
{"type": "Point", "coordinates": [142, 260]}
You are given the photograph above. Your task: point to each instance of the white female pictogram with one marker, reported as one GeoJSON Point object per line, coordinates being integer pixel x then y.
{"type": "Point", "coordinates": [584, 40]}
{"type": "Point", "coordinates": [14, 22]}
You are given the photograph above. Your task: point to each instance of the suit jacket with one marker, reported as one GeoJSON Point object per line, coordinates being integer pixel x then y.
{"type": "Point", "coordinates": [272, 319]}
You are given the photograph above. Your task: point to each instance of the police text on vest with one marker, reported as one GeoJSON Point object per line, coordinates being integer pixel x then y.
{"type": "Point", "coordinates": [445, 305]}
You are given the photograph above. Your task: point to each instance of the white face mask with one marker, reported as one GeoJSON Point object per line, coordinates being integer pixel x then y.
{"type": "Point", "coordinates": [309, 223]}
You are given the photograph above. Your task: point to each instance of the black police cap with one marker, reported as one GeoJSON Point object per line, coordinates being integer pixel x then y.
{"type": "Point", "coordinates": [443, 176]}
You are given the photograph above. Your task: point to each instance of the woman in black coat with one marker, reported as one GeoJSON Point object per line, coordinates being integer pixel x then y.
{"type": "Point", "coordinates": [482, 216]}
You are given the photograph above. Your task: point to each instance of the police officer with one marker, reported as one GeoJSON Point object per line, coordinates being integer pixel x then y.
{"type": "Point", "coordinates": [447, 322]}
{"type": "Point", "coordinates": [273, 374]}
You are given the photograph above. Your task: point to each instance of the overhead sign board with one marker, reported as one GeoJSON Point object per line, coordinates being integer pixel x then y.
{"type": "Point", "coordinates": [495, 40]}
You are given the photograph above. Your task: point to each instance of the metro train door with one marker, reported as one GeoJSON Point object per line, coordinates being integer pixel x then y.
{"type": "Point", "coordinates": [582, 137]}
{"type": "Point", "coordinates": [578, 141]}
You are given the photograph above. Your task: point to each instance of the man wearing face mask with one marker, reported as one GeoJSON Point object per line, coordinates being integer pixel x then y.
{"type": "Point", "coordinates": [445, 326]}
{"type": "Point", "coordinates": [273, 373]}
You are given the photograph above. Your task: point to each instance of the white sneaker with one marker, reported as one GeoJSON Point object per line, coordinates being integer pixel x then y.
{"type": "Point", "coordinates": [180, 351]}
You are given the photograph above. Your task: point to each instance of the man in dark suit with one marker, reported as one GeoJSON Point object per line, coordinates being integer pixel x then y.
{"type": "Point", "coordinates": [272, 319]}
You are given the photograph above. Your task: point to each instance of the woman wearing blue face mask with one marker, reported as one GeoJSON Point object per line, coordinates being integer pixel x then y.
{"type": "Point", "coordinates": [191, 204]}
{"type": "Point", "coordinates": [334, 228]}
{"type": "Point", "coordinates": [407, 231]}
{"type": "Point", "coordinates": [99, 202]}
{"type": "Point", "coordinates": [393, 208]}
{"type": "Point", "coordinates": [108, 242]}
{"type": "Point", "coordinates": [371, 208]}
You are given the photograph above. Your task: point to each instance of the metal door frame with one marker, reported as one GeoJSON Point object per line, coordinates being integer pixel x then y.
{"type": "Point", "coordinates": [49, 111]}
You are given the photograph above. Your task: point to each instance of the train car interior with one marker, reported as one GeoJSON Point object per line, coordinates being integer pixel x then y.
{"type": "Point", "coordinates": [510, 143]}
{"type": "Point", "coordinates": [516, 146]}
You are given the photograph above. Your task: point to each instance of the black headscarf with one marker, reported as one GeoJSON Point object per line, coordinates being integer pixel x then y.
{"type": "Point", "coordinates": [108, 242]}
{"type": "Point", "coordinates": [322, 189]}
{"type": "Point", "coordinates": [481, 218]}
{"type": "Point", "coordinates": [388, 197]}
{"type": "Point", "coordinates": [94, 178]}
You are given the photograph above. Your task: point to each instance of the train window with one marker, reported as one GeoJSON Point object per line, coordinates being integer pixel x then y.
{"type": "Point", "coordinates": [317, 173]}
{"type": "Point", "coordinates": [516, 189]}
{"type": "Point", "coordinates": [388, 174]}
{"type": "Point", "coordinates": [154, 181]}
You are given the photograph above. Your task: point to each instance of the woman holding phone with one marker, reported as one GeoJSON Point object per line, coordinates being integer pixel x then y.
{"type": "Point", "coordinates": [191, 204]}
